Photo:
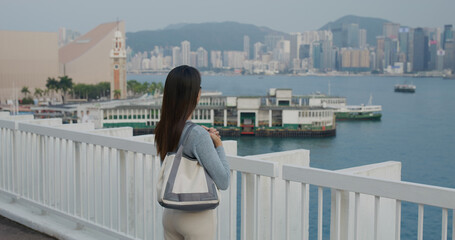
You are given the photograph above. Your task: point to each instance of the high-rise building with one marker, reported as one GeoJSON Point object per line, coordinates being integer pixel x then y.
{"type": "Point", "coordinates": [202, 58]}
{"type": "Point", "coordinates": [258, 50]}
{"type": "Point", "coordinates": [246, 46]}
{"type": "Point", "coordinates": [447, 35]}
{"type": "Point", "coordinates": [193, 59]}
{"type": "Point", "coordinates": [440, 60]}
{"type": "Point", "coordinates": [337, 37]}
{"type": "Point", "coordinates": [233, 59]}
{"type": "Point", "coordinates": [186, 51]}
{"type": "Point", "coordinates": [433, 51]}
{"type": "Point", "coordinates": [403, 39]}
{"type": "Point", "coordinates": [304, 51]}
{"type": "Point", "coordinates": [317, 54]}
{"type": "Point", "coordinates": [362, 38]}
{"type": "Point", "coordinates": [380, 47]}
{"type": "Point", "coordinates": [176, 57]}
{"type": "Point", "coordinates": [271, 40]}
{"type": "Point", "coordinates": [216, 59]}
{"type": "Point", "coordinates": [357, 60]}
{"type": "Point", "coordinates": [295, 39]}
{"type": "Point", "coordinates": [449, 58]}
{"type": "Point", "coordinates": [418, 61]}
{"type": "Point", "coordinates": [351, 35]}
{"type": "Point", "coordinates": [390, 30]}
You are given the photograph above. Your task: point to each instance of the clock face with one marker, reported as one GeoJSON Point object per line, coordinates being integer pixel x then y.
{"type": "Point", "coordinates": [116, 66]}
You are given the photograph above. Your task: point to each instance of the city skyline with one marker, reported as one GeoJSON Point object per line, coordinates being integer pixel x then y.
{"type": "Point", "coordinates": [145, 15]}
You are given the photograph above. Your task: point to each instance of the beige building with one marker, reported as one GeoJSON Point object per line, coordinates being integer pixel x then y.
{"type": "Point", "coordinates": [355, 59]}
{"type": "Point", "coordinates": [87, 59]}
{"type": "Point", "coordinates": [26, 59]}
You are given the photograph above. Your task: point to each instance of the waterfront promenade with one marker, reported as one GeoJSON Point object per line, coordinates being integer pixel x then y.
{"type": "Point", "coordinates": [73, 181]}
{"type": "Point", "coordinates": [10, 230]}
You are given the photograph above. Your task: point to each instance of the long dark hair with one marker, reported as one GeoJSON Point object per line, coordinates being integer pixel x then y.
{"type": "Point", "coordinates": [180, 95]}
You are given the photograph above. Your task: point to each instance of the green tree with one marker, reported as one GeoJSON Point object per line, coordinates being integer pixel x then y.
{"type": "Point", "coordinates": [38, 92]}
{"type": "Point", "coordinates": [25, 91]}
{"type": "Point", "coordinates": [117, 93]}
{"type": "Point", "coordinates": [52, 85]}
{"type": "Point", "coordinates": [65, 84]}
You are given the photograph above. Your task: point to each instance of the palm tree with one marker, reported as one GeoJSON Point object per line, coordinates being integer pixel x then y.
{"type": "Point", "coordinates": [25, 91]}
{"type": "Point", "coordinates": [52, 85]}
{"type": "Point", "coordinates": [117, 94]}
{"type": "Point", "coordinates": [65, 84]}
{"type": "Point", "coordinates": [38, 92]}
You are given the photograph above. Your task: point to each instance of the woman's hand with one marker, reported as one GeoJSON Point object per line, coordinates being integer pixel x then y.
{"type": "Point", "coordinates": [215, 135]}
{"type": "Point", "coordinates": [216, 140]}
{"type": "Point", "coordinates": [212, 130]}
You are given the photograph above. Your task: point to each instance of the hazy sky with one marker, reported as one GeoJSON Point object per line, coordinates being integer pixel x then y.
{"type": "Point", "coordinates": [282, 15]}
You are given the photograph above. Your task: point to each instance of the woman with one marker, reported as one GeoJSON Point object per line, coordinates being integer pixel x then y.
{"type": "Point", "coordinates": [182, 92]}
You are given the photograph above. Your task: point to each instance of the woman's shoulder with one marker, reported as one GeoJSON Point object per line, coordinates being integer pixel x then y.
{"type": "Point", "coordinates": [199, 131]}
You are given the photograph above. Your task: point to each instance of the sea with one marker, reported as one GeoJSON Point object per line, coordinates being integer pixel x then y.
{"type": "Point", "coordinates": [416, 129]}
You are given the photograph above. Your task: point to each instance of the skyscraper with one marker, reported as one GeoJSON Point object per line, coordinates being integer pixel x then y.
{"type": "Point", "coordinates": [246, 46]}
{"type": "Point", "coordinates": [418, 60]}
{"type": "Point", "coordinates": [403, 39]}
{"type": "Point", "coordinates": [295, 45]}
{"type": "Point", "coordinates": [380, 53]}
{"type": "Point", "coordinates": [258, 50]}
{"type": "Point", "coordinates": [351, 35]}
{"type": "Point", "coordinates": [271, 40]}
{"type": "Point", "coordinates": [433, 51]}
{"type": "Point", "coordinates": [202, 58]}
{"type": "Point", "coordinates": [362, 38]}
{"type": "Point", "coordinates": [449, 58]}
{"type": "Point", "coordinates": [390, 30]}
{"type": "Point", "coordinates": [448, 34]}
{"type": "Point", "coordinates": [176, 56]}
{"type": "Point", "coordinates": [317, 55]}
{"type": "Point", "coordinates": [186, 49]}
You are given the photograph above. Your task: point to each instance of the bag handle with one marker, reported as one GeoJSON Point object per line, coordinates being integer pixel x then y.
{"type": "Point", "coordinates": [186, 134]}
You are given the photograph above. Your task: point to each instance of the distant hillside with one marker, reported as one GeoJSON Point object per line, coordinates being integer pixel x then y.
{"type": "Point", "coordinates": [372, 25]}
{"type": "Point", "coordinates": [211, 36]}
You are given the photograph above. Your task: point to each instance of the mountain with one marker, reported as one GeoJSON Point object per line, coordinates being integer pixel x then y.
{"type": "Point", "coordinates": [211, 36]}
{"type": "Point", "coordinates": [372, 25]}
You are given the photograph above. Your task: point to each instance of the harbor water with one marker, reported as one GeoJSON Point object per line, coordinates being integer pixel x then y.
{"type": "Point", "coordinates": [416, 129]}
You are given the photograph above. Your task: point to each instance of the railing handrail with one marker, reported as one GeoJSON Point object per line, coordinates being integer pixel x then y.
{"type": "Point", "coordinates": [399, 190]}
{"type": "Point", "coordinates": [243, 164]}
{"type": "Point", "coordinates": [10, 124]}
{"type": "Point", "coordinates": [253, 166]}
{"type": "Point", "coordinates": [90, 138]}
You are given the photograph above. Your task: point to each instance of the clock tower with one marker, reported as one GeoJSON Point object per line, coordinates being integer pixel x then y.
{"type": "Point", "coordinates": [118, 67]}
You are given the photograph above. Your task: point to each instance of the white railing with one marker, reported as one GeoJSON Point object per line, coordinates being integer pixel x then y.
{"type": "Point", "coordinates": [420, 194]}
{"type": "Point", "coordinates": [107, 184]}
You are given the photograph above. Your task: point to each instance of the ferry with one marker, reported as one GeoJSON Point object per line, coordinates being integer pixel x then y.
{"type": "Point", "coordinates": [361, 112]}
{"type": "Point", "coordinates": [344, 112]}
{"type": "Point", "coordinates": [408, 88]}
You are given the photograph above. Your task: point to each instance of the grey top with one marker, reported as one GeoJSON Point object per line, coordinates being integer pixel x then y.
{"type": "Point", "coordinates": [199, 145]}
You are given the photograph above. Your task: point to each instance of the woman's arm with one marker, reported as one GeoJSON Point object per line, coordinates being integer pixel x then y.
{"type": "Point", "coordinates": [213, 159]}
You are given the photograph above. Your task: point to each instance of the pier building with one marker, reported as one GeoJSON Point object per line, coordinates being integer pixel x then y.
{"type": "Point", "coordinates": [279, 114]}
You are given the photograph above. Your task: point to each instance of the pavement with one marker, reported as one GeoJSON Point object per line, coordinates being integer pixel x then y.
{"type": "Point", "coordinates": [10, 230]}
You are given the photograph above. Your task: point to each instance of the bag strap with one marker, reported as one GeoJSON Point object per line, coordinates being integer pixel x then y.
{"type": "Point", "coordinates": [186, 134]}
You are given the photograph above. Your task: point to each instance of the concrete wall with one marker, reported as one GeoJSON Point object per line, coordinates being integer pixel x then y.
{"type": "Point", "coordinates": [386, 170]}
{"type": "Point", "coordinates": [26, 59]}
{"type": "Point", "coordinates": [299, 157]}
{"type": "Point", "coordinates": [248, 103]}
